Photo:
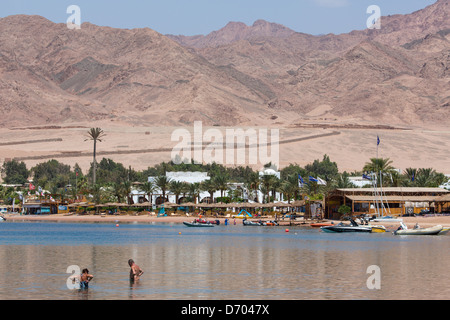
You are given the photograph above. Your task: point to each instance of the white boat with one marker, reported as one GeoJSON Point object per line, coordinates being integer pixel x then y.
{"type": "Point", "coordinates": [403, 231]}
{"type": "Point", "coordinates": [387, 219]}
{"type": "Point", "coordinates": [444, 231]}
{"type": "Point", "coordinates": [2, 218]}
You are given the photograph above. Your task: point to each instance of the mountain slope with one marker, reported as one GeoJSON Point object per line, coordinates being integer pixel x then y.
{"type": "Point", "coordinates": [264, 74]}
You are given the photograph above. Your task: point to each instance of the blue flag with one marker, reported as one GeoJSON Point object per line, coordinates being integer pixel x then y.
{"type": "Point", "coordinates": [300, 180]}
{"type": "Point", "coordinates": [366, 177]}
{"type": "Point", "coordinates": [313, 179]}
{"type": "Point", "coordinates": [378, 141]}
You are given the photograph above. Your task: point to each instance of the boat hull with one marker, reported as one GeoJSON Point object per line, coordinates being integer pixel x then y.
{"type": "Point", "coordinates": [341, 229]}
{"type": "Point", "coordinates": [318, 225]}
{"type": "Point", "coordinates": [421, 232]}
{"type": "Point", "coordinates": [198, 225]}
{"type": "Point", "coordinates": [378, 229]}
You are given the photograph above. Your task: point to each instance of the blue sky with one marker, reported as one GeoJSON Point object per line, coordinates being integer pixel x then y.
{"type": "Point", "coordinates": [191, 17]}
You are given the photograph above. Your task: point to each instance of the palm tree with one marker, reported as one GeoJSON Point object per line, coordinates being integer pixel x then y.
{"type": "Point", "coordinates": [221, 182]}
{"type": "Point", "coordinates": [148, 187]}
{"type": "Point", "coordinates": [127, 188]}
{"type": "Point", "coordinates": [253, 182]}
{"type": "Point", "coordinates": [163, 183]}
{"type": "Point", "coordinates": [177, 188]}
{"type": "Point", "coordinates": [289, 189]}
{"type": "Point", "coordinates": [209, 186]}
{"type": "Point", "coordinates": [95, 134]}
{"type": "Point", "coordinates": [117, 190]}
{"type": "Point", "coordinates": [194, 191]}
{"type": "Point", "coordinates": [426, 177]}
{"type": "Point", "coordinates": [343, 181]}
{"type": "Point", "coordinates": [411, 174]}
{"type": "Point", "coordinates": [268, 181]}
{"type": "Point", "coordinates": [380, 166]}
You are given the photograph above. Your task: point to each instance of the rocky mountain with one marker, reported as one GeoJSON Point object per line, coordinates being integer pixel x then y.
{"type": "Point", "coordinates": [262, 74]}
{"type": "Point", "coordinates": [235, 31]}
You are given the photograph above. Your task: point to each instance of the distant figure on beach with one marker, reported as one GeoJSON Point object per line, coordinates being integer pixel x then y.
{"type": "Point", "coordinates": [85, 278]}
{"type": "Point", "coordinates": [135, 271]}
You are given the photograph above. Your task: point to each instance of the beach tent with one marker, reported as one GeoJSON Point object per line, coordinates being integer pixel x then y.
{"type": "Point", "coordinates": [243, 213]}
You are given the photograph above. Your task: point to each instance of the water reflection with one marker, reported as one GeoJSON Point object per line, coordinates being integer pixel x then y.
{"type": "Point", "coordinates": [232, 263]}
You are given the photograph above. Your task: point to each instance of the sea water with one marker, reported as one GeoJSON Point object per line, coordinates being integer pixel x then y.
{"type": "Point", "coordinates": [221, 263]}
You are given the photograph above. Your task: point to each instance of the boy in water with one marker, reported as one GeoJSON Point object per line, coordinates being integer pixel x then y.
{"type": "Point", "coordinates": [135, 271]}
{"type": "Point", "coordinates": [85, 278]}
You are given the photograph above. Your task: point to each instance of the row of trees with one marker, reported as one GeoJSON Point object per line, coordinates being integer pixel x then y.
{"type": "Point", "coordinates": [114, 182]}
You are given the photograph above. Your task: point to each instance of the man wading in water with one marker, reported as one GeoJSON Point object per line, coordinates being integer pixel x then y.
{"type": "Point", "coordinates": [135, 271]}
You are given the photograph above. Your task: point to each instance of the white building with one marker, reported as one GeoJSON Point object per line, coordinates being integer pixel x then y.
{"type": "Point", "coordinates": [359, 181]}
{"type": "Point", "coordinates": [199, 177]}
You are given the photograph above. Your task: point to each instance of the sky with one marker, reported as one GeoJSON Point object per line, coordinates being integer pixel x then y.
{"type": "Point", "coordinates": [192, 17]}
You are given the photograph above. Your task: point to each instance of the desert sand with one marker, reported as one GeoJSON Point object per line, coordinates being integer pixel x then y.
{"type": "Point", "coordinates": [141, 147]}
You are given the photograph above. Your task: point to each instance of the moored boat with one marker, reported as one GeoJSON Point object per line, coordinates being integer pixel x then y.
{"type": "Point", "coordinates": [246, 222]}
{"type": "Point", "coordinates": [444, 231]}
{"type": "Point", "coordinates": [352, 227]}
{"type": "Point", "coordinates": [201, 223]}
{"type": "Point", "coordinates": [321, 224]}
{"type": "Point", "coordinates": [403, 230]}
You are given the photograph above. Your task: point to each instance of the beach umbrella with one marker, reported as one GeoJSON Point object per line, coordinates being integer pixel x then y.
{"type": "Point", "coordinates": [143, 204]}
{"type": "Point", "coordinates": [282, 204]}
{"type": "Point", "coordinates": [298, 203]}
{"type": "Point", "coordinates": [168, 204]}
{"type": "Point", "coordinates": [189, 204]}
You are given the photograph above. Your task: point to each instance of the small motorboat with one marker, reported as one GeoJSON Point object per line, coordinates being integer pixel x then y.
{"type": "Point", "coordinates": [246, 222]}
{"type": "Point", "coordinates": [352, 227]}
{"type": "Point", "coordinates": [321, 224]}
{"type": "Point", "coordinates": [417, 230]}
{"type": "Point", "coordinates": [201, 223]}
{"type": "Point", "coordinates": [444, 231]}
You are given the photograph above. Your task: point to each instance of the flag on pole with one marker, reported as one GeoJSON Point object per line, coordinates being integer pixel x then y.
{"type": "Point", "coordinates": [312, 179]}
{"type": "Point", "coordinates": [365, 176]}
{"type": "Point", "coordinates": [321, 182]}
{"type": "Point", "coordinates": [378, 141]}
{"type": "Point", "coordinates": [300, 181]}
{"type": "Point", "coordinates": [31, 186]}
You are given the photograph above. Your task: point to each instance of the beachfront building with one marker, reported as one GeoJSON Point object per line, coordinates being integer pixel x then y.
{"type": "Point", "coordinates": [188, 177]}
{"type": "Point", "coordinates": [397, 201]}
{"type": "Point", "coordinates": [204, 196]}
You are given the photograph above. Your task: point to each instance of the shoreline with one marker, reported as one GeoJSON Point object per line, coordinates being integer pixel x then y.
{"type": "Point", "coordinates": [409, 221]}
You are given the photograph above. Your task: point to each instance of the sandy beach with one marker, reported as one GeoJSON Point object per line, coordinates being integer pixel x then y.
{"type": "Point", "coordinates": [427, 221]}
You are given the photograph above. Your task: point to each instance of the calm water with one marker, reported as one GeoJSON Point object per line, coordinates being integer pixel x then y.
{"type": "Point", "coordinates": [226, 262]}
